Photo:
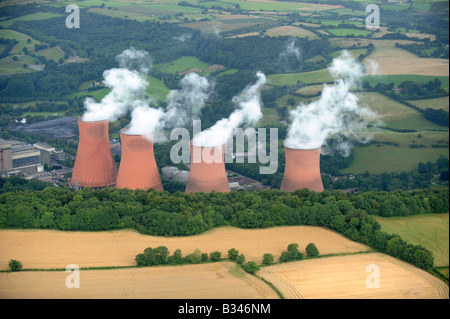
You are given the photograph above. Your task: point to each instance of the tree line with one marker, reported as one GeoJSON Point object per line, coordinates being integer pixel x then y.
{"type": "Point", "coordinates": [180, 214]}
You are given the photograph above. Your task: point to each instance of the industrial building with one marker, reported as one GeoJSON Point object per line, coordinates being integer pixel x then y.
{"type": "Point", "coordinates": [19, 157]}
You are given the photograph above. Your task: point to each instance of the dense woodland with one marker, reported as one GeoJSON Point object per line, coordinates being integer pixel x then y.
{"type": "Point", "coordinates": [180, 214]}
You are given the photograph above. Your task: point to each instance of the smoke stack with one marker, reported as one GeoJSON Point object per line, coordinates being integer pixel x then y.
{"type": "Point", "coordinates": [94, 165]}
{"type": "Point", "coordinates": [207, 171]}
{"type": "Point", "coordinates": [302, 170]}
{"type": "Point", "coordinates": [138, 168]}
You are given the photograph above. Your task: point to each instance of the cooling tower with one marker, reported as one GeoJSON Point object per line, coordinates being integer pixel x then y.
{"type": "Point", "coordinates": [302, 170]}
{"type": "Point", "coordinates": [94, 165]}
{"type": "Point", "coordinates": [206, 175]}
{"type": "Point", "coordinates": [138, 168]}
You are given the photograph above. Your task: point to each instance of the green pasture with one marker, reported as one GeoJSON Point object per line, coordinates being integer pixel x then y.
{"type": "Point", "coordinates": [397, 79]}
{"type": "Point", "coordinates": [388, 158]}
{"type": "Point", "coordinates": [319, 76]}
{"type": "Point", "coordinates": [429, 231]}
{"type": "Point", "coordinates": [21, 38]}
{"type": "Point", "coordinates": [157, 89]}
{"type": "Point", "coordinates": [342, 32]}
{"type": "Point", "coordinates": [436, 103]}
{"type": "Point", "coordinates": [29, 17]}
{"type": "Point", "coordinates": [396, 115]}
{"type": "Point", "coordinates": [182, 64]}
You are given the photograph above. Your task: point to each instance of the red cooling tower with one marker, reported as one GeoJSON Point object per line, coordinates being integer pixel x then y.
{"type": "Point", "coordinates": [138, 168]}
{"type": "Point", "coordinates": [206, 175]}
{"type": "Point", "coordinates": [94, 165]}
{"type": "Point", "coordinates": [302, 170]}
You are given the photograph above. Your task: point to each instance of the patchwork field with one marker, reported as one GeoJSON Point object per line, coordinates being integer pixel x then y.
{"type": "Point", "coordinates": [344, 277]}
{"type": "Point", "coordinates": [430, 231]}
{"type": "Point", "coordinates": [392, 60]}
{"type": "Point", "coordinates": [48, 249]}
{"type": "Point", "coordinates": [218, 280]}
{"type": "Point", "coordinates": [291, 31]}
{"type": "Point", "coordinates": [437, 103]}
{"type": "Point", "coordinates": [320, 76]}
{"type": "Point", "coordinates": [396, 115]}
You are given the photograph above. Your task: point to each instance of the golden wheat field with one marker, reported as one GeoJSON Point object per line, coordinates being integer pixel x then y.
{"type": "Point", "coordinates": [352, 277]}
{"type": "Point", "coordinates": [51, 249]}
{"type": "Point", "coordinates": [328, 277]}
{"type": "Point", "coordinates": [222, 280]}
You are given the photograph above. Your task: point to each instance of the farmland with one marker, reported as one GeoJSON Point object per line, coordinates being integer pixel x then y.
{"type": "Point", "coordinates": [344, 274]}
{"type": "Point", "coordinates": [119, 248]}
{"type": "Point", "coordinates": [345, 277]}
{"type": "Point", "coordinates": [430, 231]}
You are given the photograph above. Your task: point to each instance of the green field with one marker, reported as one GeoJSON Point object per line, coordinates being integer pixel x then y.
{"type": "Point", "coordinates": [342, 32]}
{"type": "Point", "coordinates": [320, 76]}
{"type": "Point", "coordinates": [436, 103]}
{"type": "Point", "coordinates": [157, 89]}
{"type": "Point", "coordinates": [22, 38]}
{"type": "Point", "coordinates": [53, 53]}
{"type": "Point", "coordinates": [8, 66]}
{"type": "Point", "coordinates": [182, 64]}
{"type": "Point", "coordinates": [397, 79]}
{"type": "Point", "coordinates": [387, 158]}
{"type": "Point", "coordinates": [29, 17]}
{"type": "Point", "coordinates": [430, 231]}
{"type": "Point", "coordinates": [310, 90]}
{"type": "Point", "coordinates": [396, 115]}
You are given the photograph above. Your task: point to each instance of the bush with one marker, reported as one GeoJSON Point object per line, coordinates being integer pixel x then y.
{"type": "Point", "coordinates": [233, 253]}
{"type": "Point", "coordinates": [291, 254]}
{"type": "Point", "coordinates": [195, 257]}
{"type": "Point", "coordinates": [251, 267]}
{"type": "Point", "coordinates": [267, 259]}
{"type": "Point", "coordinates": [15, 265]}
{"type": "Point", "coordinates": [311, 250]}
{"type": "Point", "coordinates": [215, 256]}
{"type": "Point", "coordinates": [240, 259]}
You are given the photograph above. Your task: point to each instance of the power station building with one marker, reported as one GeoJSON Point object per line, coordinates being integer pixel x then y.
{"type": "Point", "coordinates": [18, 157]}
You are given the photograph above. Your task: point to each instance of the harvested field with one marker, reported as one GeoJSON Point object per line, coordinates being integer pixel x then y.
{"type": "Point", "coordinates": [291, 31]}
{"type": "Point", "coordinates": [51, 249]}
{"type": "Point", "coordinates": [344, 277]}
{"type": "Point", "coordinates": [216, 280]}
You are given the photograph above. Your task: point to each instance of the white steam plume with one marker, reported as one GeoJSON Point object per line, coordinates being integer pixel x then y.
{"type": "Point", "coordinates": [337, 112]}
{"type": "Point", "coordinates": [186, 104]}
{"type": "Point", "coordinates": [145, 120]}
{"type": "Point", "coordinates": [133, 59]}
{"type": "Point", "coordinates": [249, 111]}
{"type": "Point", "coordinates": [126, 86]}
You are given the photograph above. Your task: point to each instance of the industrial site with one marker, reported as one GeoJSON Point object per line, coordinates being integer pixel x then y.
{"type": "Point", "coordinates": [224, 152]}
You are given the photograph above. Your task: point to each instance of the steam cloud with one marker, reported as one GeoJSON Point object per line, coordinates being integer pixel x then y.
{"type": "Point", "coordinates": [133, 59]}
{"type": "Point", "coordinates": [337, 112]}
{"type": "Point", "coordinates": [126, 86]}
{"type": "Point", "coordinates": [249, 111]}
{"type": "Point", "coordinates": [127, 93]}
{"type": "Point", "coordinates": [186, 104]}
